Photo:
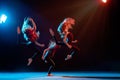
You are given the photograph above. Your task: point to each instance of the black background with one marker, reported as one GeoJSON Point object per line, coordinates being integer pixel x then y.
{"type": "Point", "coordinates": [97, 35]}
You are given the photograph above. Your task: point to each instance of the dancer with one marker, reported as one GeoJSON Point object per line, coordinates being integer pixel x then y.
{"type": "Point", "coordinates": [67, 36]}
{"type": "Point", "coordinates": [29, 31]}
{"type": "Point", "coordinates": [48, 55]}
{"type": "Point", "coordinates": [30, 35]}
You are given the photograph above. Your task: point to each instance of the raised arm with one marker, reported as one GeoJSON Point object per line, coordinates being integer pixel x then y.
{"type": "Point", "coordinates": [53, 35]}
{"type": "Point", "coordinates": [34, 25]}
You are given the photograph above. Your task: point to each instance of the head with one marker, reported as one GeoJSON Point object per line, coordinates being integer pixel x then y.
{"type": "Point", "coordinates": [66, 25]}
{"type": "Point", "coordinates": [70, 21]}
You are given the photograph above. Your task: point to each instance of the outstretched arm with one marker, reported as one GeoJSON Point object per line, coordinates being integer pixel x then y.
{"type": "Point", "coordinates": [75, 41]}
{"type": "Point", "coordinates": [38, 44]}
{"type": "Point", "coordinates": [53, 35]}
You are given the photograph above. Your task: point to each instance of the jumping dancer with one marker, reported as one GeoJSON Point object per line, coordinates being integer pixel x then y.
{"type": "Point", "coordinates": [67, 36]}
{"type": "Point", "coordinates": [48, 55]}
{"type": "Point", "coordinates": [31, 35]}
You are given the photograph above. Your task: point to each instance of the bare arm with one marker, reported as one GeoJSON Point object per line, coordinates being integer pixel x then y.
{"type": "Point", "coordinates": [34, 25]}
{"type": "Point", "coordinates": [53, 35]}
{"type": "Point", "coordinates": [38, 44]}
{"type": "Point", "coordinates": [64, 40]}
{"type": "Point", "coordinates": [44, 53]}
{"type": "Point", "coordinates": [75, 41]}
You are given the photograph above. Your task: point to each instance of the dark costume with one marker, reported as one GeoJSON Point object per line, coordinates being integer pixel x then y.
{"type": "Point", "coordinates": [48, 57]}
{"type": "Point", "coordinates": [74, 48]}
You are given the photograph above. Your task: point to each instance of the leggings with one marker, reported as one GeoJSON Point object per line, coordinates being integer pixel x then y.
{"type": "Point", "coordinates": [73, 50]}
{"type": "Point", "coordinates": [51, 63]}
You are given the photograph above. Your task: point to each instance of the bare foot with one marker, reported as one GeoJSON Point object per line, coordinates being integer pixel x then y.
{"type": "Point", "coordinates": [50, 74]}
{"type": "Point", "coordinates": [29, 61]}
{"type": "Point", "coordinates": [68, 57]}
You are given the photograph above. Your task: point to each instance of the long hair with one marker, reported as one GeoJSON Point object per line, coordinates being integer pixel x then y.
{"type": "Point", "coordinates": [28, 30]}
{"type": "Point", "coordinates": [64, 24]}
{"type": "Point", "coordinates": [26, 24]}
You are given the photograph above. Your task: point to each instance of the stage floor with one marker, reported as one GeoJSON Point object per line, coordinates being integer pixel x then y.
{"type": "Point", "coordinates": [59, 76]}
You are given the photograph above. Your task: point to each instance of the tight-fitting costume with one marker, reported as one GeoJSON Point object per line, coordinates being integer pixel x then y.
{"type": "Point", "coordinates": [31, 36]}
{"type": "Point", "coordinates": [48, 56]}
{"type": "Point", "coordinates": [74, 48]}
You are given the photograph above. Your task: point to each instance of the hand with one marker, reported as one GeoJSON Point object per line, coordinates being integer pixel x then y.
{"type": "Point", "coordinates": [30, 19]}
{"type": "Point", "coordinates": [38, 34]}
{"type": "Point", "coordinates": [42, 58]}
{"type": "Point", "coordinates": [68, 57]}
{"type": "Point", "coordinates": [51, 32]}
{"type": "Point", "coordinates": [18, 30]}
{"type": "Point", "coordinates": [75, 41]}
{"type": "Point", "coordinates": [29, 61]}
{"type": "Point", "coordinates": [70, 46]}
{"type": "Point", "coordinates": [42, 45]}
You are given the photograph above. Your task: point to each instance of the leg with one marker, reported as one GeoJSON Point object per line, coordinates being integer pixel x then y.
{"type": "Point", "coordinates": [31, 59]}
{"type": "Point", "coordinates": [73, 51]}
{"type": "Point", "coordinates": [52, 65]}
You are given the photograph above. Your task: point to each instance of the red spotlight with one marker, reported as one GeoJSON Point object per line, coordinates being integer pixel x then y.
{"type": "Point", "coordinates": [104, 1]}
